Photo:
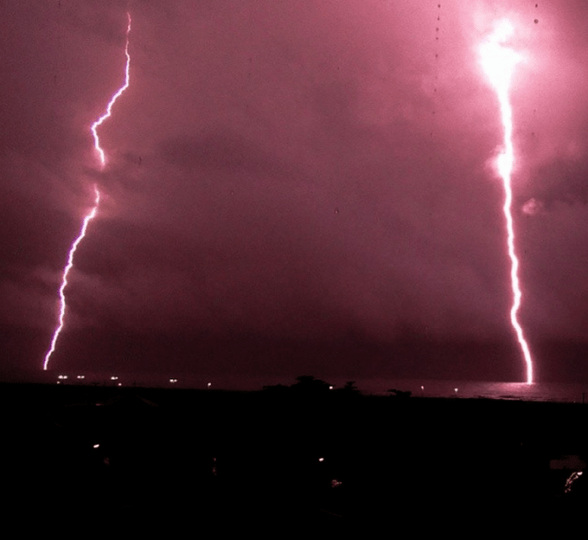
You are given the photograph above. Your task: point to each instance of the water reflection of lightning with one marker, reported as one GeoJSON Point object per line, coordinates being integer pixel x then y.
{"type": "Point", "coordinates": [499, 61]}
{"type": "Point", "coordinates": [94, 210]}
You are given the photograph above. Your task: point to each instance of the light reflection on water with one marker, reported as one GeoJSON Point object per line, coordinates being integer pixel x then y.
{"type": "Point", "coordinates": [564, 392]}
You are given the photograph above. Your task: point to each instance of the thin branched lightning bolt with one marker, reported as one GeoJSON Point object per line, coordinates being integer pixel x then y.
{"type": "Point", "coordinates": [92, 213]}
{"type": "Point", "coordinates": [68, 267]}
{"type": "Point", "coordinates": [499, 62]}
{"type": "Point", "coordinates": [108, 111]}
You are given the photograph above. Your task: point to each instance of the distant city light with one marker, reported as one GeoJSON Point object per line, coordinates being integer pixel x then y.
{"type": "Point", "coordinates": [114, 378]}
{"type": "Point", "coordinates": [81, 377]}
{"type": "Point", "coordinates": [173, 381]}
{"type": "Point", "coordinates": [321, 459]}
{"type": "Point", "coordinates": [96, 446]}
{"type": "Point", "coordinates": [209, 385]}
{"type": "Point", "coordinates": [331, 387]}
{"type": "Point", "coordinates": [62, 376]}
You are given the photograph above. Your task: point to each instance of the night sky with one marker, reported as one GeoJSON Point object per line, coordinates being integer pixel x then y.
{"type": "Point", "coordinates": [292, 187]}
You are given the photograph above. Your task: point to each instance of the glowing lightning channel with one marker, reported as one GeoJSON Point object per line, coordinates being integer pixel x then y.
{"type": "Point", "coordinates": [94, 210]}
{"type": "Point", "coordinates": [499, 62]}
{"type": "Point", "coordinates": [108, 112]}
{"type": "Point", "coordinates": [68, 267]}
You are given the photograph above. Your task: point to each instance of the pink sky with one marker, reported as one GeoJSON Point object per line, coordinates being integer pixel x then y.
{"type": "Point", "coordinates": [292, 187]}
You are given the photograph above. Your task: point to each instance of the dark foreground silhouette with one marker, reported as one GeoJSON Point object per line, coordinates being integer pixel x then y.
{"type": "Point", "coordinates": [300, 455]}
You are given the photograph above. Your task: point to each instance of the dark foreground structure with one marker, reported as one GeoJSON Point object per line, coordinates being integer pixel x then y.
{"type": "Point", "coordinates": [279, 458]}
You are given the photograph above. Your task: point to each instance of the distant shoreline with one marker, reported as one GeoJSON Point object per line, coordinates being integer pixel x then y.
{"type": "Point", "coordinates": [550, 392]}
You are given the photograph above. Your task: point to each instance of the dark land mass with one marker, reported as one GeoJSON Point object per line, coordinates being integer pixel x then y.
{"type": "Point", "coordinates": [286, 456]}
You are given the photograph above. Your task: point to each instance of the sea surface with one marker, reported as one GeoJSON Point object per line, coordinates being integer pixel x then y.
{"type": "Point", "coordinates": [558, 392]}
{"type": "Point", "coordinates": [541, 391]}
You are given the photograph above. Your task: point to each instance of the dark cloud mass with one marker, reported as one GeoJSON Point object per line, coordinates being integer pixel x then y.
{"type": "Point", "coordinates": [292, 187]}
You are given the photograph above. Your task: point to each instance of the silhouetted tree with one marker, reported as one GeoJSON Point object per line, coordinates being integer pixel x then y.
{"type": "Point", "coordinates": [276, 388]}
{"type": "Point", "coordinates": [350, 387]}
{"type": "Point", "coordinates": [308, 385]}
{"type": "Point", "coordinates": [399, 393]}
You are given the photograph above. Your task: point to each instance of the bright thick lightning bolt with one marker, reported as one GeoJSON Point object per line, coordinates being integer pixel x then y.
{"type": "Point", "coordinates": [94, 210]}
{"type": "Point", "coordinates": [499, 62]}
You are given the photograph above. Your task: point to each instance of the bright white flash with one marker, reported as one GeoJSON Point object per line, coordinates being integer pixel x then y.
{"type": "Point", "coordinates": [499, 61]}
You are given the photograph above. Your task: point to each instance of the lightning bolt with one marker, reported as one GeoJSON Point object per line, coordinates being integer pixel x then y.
{"type": "Point", "coordinates": [499, 62]}
{"type": "Point", "coordinates": [68, 267]}
{"type": "Point", "coordinates": [92, 213]}
{"type": "Point", "coordinates": [108, 112]}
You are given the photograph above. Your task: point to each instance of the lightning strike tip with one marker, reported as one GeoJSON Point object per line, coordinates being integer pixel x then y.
{"type": "Point", "coordinates": [499, 62]}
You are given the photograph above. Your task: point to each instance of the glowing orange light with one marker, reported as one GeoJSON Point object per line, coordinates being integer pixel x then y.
{"type": "Point", "coordinates": [499, 62]}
